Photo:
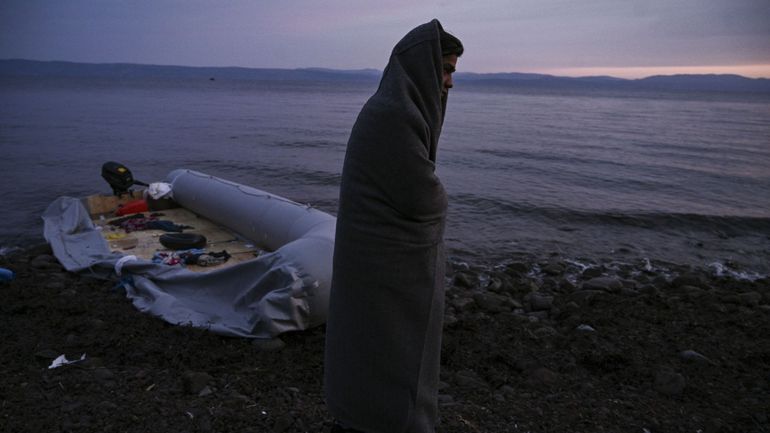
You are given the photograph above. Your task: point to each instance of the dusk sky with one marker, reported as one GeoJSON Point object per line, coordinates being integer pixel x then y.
{"type": "Point", "coordinates": [623, 38]}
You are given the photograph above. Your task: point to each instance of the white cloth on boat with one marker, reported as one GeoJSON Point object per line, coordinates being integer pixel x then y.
{"type": "Point", "coordinates": [159, 190]}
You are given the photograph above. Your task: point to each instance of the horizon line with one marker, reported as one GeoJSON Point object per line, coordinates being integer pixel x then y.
{"type": "Point", "coordinates": [756, 71]}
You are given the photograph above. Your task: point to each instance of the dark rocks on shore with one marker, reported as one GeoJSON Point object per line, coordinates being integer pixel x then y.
{"type": "Point", "coordinates": [694, 357]}
{"type": "Point", "coordinates": [553, 269]}
{"type": "Point", "coordinates": [545, 345]}
{"type": "Point", "coordinates": [542, 376]}
{"type": "Point", "coordinates": [669, 383]}
{"type": "Point", "coordinates": [269, 344]}
{"type": "Point", "coordinates": [538, 301]}
{"type": "Point", "coordinates": [45, 261]}
{"type": "Point", "coordinates": [195, 382]}
{"type": "Point", "coordinates": [586, 297]}
{"type": "Point", "coordinates": [464, 280]}
{"type": "Point", "coordinates": [492, 303]}
{"type": "Point", "coordinates": [560, 305]}
{"type": "Point", "coordinates": [470, 379]}
{"type": "Point", "coordinates": [607, 284]}
{"type": "Point", "coordinates": [750, 299]}
{"type": "Point", "coordinates": [689, 279]}
{"type": "Point", "coordinates": [592, 272]}
{"type": "Point", "coordinates": [517, 269]}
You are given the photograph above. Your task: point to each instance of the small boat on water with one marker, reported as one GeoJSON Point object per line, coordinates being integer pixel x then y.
{"type": "Point", "coordinates": [273, 277]}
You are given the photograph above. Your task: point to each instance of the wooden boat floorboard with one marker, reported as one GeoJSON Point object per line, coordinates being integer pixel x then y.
{"type": "Point", "coordinates": [145, 243]}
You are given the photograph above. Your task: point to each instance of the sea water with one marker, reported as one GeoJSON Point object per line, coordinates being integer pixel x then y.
{"type": "Point", "coordinates": [677, 177]}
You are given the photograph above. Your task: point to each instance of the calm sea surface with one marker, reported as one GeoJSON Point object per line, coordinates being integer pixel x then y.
{"type": "Point", "coordinates": [683, 178]}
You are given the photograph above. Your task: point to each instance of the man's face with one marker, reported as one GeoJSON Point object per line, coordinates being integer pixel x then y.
{"type": "Point", "coordinates": [450, 63]}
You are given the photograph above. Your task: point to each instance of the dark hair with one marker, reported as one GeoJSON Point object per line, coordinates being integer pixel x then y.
{"type": "Point", "coordinates": [450, 44]}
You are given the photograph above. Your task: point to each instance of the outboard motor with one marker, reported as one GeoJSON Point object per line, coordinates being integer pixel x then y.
{"type": "Point", "coordinates": [119, 177]}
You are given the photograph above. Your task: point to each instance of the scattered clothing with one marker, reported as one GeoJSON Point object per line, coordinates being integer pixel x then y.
{"type": "Point", "coordinates": [212, 259]}
{"type": "Point", "coordinates": [193, 256]}
{"type": "Point", "coordinates": [175, 257]}
{"type": "Point", "coordinates": [120, 221]}
{"type": "Point", "coordinates": [151, 223]}
{"type": "Point", "coordinates": [136, 224]}
{"type": "Point", "coordinates": [167, 226]}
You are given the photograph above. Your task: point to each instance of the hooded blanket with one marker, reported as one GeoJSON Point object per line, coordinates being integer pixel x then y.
{"type": "Point", "coordinates": [383, 338]}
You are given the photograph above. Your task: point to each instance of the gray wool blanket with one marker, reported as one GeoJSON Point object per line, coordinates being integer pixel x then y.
{"type": "Point", "coordinates": [383, 338]}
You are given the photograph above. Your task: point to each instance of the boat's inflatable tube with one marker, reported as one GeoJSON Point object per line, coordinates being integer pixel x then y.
{"type": "Point", "coordinates": [302, 236]}
{"type": "Point", "coordinates": [284, 290]}
{"type": "Point", "coordinates": [268, 220]}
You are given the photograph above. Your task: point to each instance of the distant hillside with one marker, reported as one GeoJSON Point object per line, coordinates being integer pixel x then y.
{"type": "Point", "coordinates": [728, 83]}
{"type": "Point", "coordinates": [687, 83]}
{"type": "Point", "coordinates": [17, 67]}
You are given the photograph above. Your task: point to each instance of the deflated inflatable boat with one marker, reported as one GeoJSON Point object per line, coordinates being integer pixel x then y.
{"type": "Point", "coordinates": [286, 289]}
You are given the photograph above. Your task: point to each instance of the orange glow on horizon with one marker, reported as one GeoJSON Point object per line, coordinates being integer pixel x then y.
{"type": "Point", "coordinates": [750, 71]}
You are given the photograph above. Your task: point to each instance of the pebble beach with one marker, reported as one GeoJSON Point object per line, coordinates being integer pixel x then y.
{"type": "Point", "coordinates": [530, 345]}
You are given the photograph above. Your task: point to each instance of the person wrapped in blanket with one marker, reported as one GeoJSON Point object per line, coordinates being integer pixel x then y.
{"type": "Point", "coordinates": [386, 307]}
